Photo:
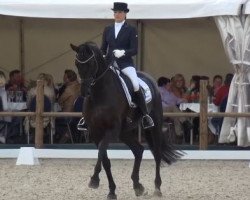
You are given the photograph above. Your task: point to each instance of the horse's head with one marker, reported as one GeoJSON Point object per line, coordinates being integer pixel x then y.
{"type": "Point", "coordinates": [88, 61]}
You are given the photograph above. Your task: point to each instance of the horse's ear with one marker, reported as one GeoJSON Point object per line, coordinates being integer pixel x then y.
{"type": "Point", "coordinates": [74, 48]}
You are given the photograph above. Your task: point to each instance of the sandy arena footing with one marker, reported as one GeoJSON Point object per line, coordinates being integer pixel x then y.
{"type": "Point", "coordinates": [59, 179]}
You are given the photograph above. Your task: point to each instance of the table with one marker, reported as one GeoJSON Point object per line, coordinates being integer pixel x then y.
{"type": "Point", "coordinates": [196, 108]}
{"type": "Point", "coordinates": [16, 106]}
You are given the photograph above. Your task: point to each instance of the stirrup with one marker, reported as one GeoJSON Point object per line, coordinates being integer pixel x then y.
{"type": "Point", "coordinates": [147, 122]}
{"type": "Point", "coordinates": [81, 126]}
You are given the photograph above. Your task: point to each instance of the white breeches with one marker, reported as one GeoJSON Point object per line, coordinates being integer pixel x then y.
{"type": "Point", "coordinates": [131, 73]}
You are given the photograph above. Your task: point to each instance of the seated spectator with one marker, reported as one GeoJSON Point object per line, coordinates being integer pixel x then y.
{"type": "Point", "coordinates": [192, 93]}
{"type": "Point", "coordinates": [16, 82]}
{"type": "Point", "coordinates": [67, 95]}
{"type": "Point", "coordinates": [192, 96]}
{"type": "Point", "coordinates": [208, 86]}
{"type": "Point", "coordinates": [49, 91]}
{"type": "Point", "coordinates": [217, 83]}
{"type": "Point", "coordinates": [10, 125]}
{"type": "Point", "coordinates": [223, 91]}
{"type": "Point", "coordinates": [169, 104]}
{"type": "Point", "coordinates": [220, 100]}
{"type": "Point", "coordinates": [178, 86]}
{"type": "Point", "coordinates": [69, 92]}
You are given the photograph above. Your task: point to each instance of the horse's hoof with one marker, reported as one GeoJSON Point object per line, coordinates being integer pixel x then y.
{"type": "Point", "coordinates": [157, 193]}
{"type": "Point", "coordinates": [111, 196]}
{"type": "Point", "coordinates": [94, 183]}
{"type": "Point", "coordinates": [139, 191]}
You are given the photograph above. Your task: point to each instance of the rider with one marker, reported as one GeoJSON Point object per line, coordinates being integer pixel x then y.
{"type": "Point", "coordinates": [120, 39]}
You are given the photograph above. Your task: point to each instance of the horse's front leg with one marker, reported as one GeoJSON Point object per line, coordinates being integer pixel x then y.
{"type": "Point", "coordinates": [95, 180]}
{"type": "Point", "coordinates": [103, 156]}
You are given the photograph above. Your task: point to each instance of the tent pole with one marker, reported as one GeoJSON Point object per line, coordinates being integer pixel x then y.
{"type": "Point", "coordinates": [21, 46]}
{"type": "Point", "coordinates": [138, 60]}
{"type": "Point", "coordinates": [139, 54]}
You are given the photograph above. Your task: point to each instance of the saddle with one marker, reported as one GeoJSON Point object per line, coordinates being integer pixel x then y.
{"type": "Point", "coordinates": [128, 87]}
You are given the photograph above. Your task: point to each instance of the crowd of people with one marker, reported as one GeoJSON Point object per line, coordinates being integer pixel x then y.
{"type": "Point", "coordinates": [15, 129]}
{"type": "Point", "coordinates": [175, 91]}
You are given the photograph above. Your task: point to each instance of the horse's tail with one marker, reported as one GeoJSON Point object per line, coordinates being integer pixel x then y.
{"type": "Point", "coordinates": [169, 153]}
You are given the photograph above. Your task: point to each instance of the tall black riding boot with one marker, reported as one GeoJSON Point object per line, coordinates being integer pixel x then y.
{"type": "Point", "coordinates": [147, 121]}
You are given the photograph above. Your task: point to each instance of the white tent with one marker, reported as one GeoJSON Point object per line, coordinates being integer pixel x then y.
{"type": "Point", "coordinates": [140, 9]}
{"type": "Point", "coordinates": [233, 21]}
{"type": "Point", "coordinates": [235, 32]}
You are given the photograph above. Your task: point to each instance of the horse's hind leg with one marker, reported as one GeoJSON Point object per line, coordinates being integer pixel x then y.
{"type": "Point", "coordinates": [137, 150]}
{"type": "Point", "coordinates": [154, 136]}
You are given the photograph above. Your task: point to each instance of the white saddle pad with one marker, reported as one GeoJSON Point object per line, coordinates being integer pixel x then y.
{"type": "Point", "coordinates": [143, 85]}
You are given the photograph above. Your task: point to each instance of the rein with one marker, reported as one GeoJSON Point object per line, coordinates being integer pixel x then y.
{"type": "Point", "coordinates": [92, 79]}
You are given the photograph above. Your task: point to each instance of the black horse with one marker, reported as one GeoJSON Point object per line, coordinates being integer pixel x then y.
{"type": "Point", "coordinates": [107, 111]}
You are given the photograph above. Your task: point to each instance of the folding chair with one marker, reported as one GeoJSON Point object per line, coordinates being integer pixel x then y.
{"type": "Point", "coordinates": [168, 130]}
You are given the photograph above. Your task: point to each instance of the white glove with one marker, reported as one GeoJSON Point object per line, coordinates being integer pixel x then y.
{"type": "Point", "coordinates": [119, 53]}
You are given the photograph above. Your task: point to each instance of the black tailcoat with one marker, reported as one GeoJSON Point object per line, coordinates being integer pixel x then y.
{"type": "Point", "coordinates": [126, 40]}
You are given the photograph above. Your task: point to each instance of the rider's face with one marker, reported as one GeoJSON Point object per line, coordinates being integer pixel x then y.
{"type": "Point", "coordinates": [119, 16]}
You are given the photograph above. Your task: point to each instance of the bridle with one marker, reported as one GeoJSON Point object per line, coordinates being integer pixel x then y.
{"type": "Point", "coordinates": [93, 80]}
{"type": "Point", "coordinates": [87, 60]}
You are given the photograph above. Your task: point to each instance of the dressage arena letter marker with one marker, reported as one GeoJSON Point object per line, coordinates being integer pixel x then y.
{"type": "Point", "coordinates": [26, 156]}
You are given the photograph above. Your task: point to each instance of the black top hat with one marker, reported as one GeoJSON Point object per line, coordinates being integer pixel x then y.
{"type": "Point", "coordinates": [120, 6]}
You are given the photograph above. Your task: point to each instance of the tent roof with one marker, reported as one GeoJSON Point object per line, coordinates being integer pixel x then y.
{"type": "Point", "coordinates": [247, 7]}
{"type": "Point", "coordinates": [139, 9]}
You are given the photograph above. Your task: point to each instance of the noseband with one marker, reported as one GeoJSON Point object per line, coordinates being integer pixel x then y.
{"type": "Point", "coordinates": [92, 79]}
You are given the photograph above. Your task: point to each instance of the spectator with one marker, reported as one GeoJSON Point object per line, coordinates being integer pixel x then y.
{"type": "Point", "coordinates": [71, 90]}
{"type": "Point", "coordinates": [66, 98]}
{"type": "Point", "coordinates": [12, 123]}
{"type": "Point", "coordinates": [168, 97]}
{"type": "Point", "coordinates": [192, 96]}
{"type": "Point", "coordinates": [222, 93]}
{"type": "Point", "coordinates": [217, 83]}
{"type": "Point", "coordinates": [220, 100]}
{"type": "Point", "coordinates": [49, 91]}
{"type": "Point", "coordinates": [16, 82]}
{"type": "Point", "coordinates": [178, 85]}
{"type": "Point", "coordinates": [170, 104]}
{"type": "Point", "coordinates": [192, 93]}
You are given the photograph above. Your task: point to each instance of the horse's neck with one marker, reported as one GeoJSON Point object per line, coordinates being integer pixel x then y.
{"type": "Point", "coordinates": [107, 86]}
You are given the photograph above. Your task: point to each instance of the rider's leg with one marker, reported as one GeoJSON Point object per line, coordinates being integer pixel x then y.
{"type": "Point", "coordinates": [147, 121]}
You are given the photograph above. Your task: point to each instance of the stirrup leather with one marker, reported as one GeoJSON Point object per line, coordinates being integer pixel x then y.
{"type": "Point", "coordinates": [81, 126]}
